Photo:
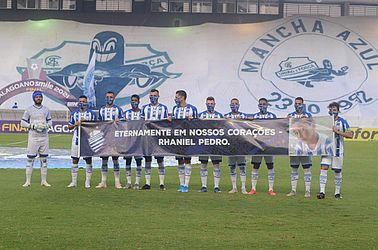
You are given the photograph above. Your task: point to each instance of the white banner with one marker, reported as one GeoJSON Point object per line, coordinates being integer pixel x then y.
{"type": "Point", "coordinates": [321, 59]}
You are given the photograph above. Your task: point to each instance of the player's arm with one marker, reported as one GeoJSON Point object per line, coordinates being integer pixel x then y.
{"type": "Point", "coordinates": [120, 115]}
{"type": "Point", "coordinates": [346, 133]}
{"type": "Point", "coordinates": [25, 120]}
{"type": "Point", "coordinates": [72, 123]}
{"type": "Point", "coordinates": [48, 120]}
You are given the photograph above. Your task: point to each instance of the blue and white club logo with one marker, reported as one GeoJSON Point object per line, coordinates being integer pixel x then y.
{"type": "Point", "coordinates": [96, 140]}
{"type": "Point", "coordinates": [317, 59]}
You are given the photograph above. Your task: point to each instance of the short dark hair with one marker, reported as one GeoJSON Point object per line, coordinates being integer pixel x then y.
{"type": "Point", "coordinates": [136, 96]}
{"type": "Point", "coordinates": [236, 99]}
{"type": "Point", "coordinates": [110, 92]}
{"type": "Point", "coordinates": [154, 90]}
{"type": "Point", "coordinates": [334, 104]}
{"type": "Point", "coordinates": [181, 93]}
{"type": "Point", "coordinates": [83, 96]}
{"type": "Point", "coordinates": [263, 99]}
{"type": "Point", "coordinates": [210, 98]}
{"type": "Point", "coordinates": [299, 98]}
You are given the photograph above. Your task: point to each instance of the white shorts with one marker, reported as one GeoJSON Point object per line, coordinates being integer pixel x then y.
{"type": "Point", "coordinates": [297, 160]}
{"type": "Point", "coordinates": [258, 159]}
{"type": "Point", "coordinates": [332, 161]}
{"type": "Point", "coordinates": [236, 160]}
{"type": "Point", "coordinates": [38, 146]}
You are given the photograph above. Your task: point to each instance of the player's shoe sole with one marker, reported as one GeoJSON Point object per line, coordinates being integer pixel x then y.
{"type": "Point", "coordinates": [45, 184]}
{"type": "Point", "coordinates": [320, 196]}
{"type": "Point", "coordinates": [292, 193]}
{"type": "Point", "coordinates": [271, 193]}
{"type": "Point", "coordinates": [233, 191]}
{"type": "Point", "coordinates": [252, 192]}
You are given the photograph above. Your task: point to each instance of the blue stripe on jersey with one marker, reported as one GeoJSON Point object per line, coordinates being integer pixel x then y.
{"type": "Point", "coordinates": [133, 116]}
{"type": "Point", "coordinates": [239, 115]}
{"type": "Point", "coordinates": [343, 126]}
{"type": "Point", "coordinates": [301, 115]}
{"type": "Point", "coordinates": [88, 115]}
{"type": "Point", "coordinates": [184, 112]}
{"type": "Point", "coordinates": [268, 115]}
{"type": "Point", "coordinates": [155, 113]}
{"type": "Point", "coordinates": [207, 115]}
{"type": "Point", "coordinates": [110, 114]}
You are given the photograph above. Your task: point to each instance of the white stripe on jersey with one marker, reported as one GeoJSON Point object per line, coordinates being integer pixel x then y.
{"type": "Point", "coordinates": [343, 126]}
{"type": "Point", "coordinates": [207, 115]}
{"type": "Point", "coordinates": [184, 112]}
{"type": "Point", "coordinates": [110, 114]}
{"type": "Point", "coordinates": [76, 116]}
{"type": "Point", "coordinates": [301, 115]}
{"type": "Point", "coordinates": [268, 115]}
{"type": "Point", "coordinates": [155, 113]}
{"type": "Point", "coordinates": [133, 116]}
{"type": "Point", "coordinates": [239, 115]}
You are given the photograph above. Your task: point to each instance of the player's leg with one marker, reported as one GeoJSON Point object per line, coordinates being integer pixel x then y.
{"type": "Point", "coordinates": [32, 151]}
{"type": "Point", "coordinates": [243, 176]}
{"type": "Point", "coordinates": [256, 162]}
{"type": "Point", "coordinates": [117, 181]}
{"type": "Point", "coordinates": [147, 172]}
{"type": "Point", "coordinates": [74, 165]}
{"type": "Point", "coordinates": [337, 167]}
{"type": "Point", "coordinates": [232, 164]}
{"type": "Point", "coordinates": [325, 162]}
{"type": "Point", "coordinates": [203, 173]}
{"type": "Point", "coordinates": [161, 172]}
{"type": "Point", "coordinates": [269, 161]}
{"type": "Point", "coordinates": [104, 172]}
{"type": "Point", "coordinates": [129, 184]}
{"type": "Point", "coordinates": [74, 172]}
{"type": "Point", "coordinates": [138, 174]}
{"type": "Point", "coordinates": [294, 164]}
{"type": "Point", "coordinates": [188, 173]}
{"type": "Point", "coordinates": [181, 172]}
{"type": "Point", "coordinates": [88, 171]}
{"type": "Point", "coordinates": [216, 160]}
{"type": "Point", "coordinates": [307, 176]}
{"type": "Point", "coordinates": [43, 153]}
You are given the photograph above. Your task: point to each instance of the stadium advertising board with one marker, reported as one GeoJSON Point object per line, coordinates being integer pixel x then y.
{"type": "Point", "coordinates": [15, 127]}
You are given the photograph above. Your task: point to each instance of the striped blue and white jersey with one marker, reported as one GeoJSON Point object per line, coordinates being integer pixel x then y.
{"type": "Point", "coordinates": [155, 113]}
{"type": "Point", "coordinates": [239, 115]}
{"type": "Point", "coordinates": [36, 115]}
{"type": "Point", "coordinates": [260, 115]}
{"type": "Point", "coordinates": [132, 115]}
{"type": "Point", "coordinates": [343, 126]}
{"type": "Point", "coordinates": [77, 115]}
{"type": "Point", "coordinates": [206, 115]}
{"type": "Point", "coordinates": [301, 115]}
{"type": "Point", "coordinates": [324, 146]}
{"type": "Point", "coordinates": [184, 112]}
{"type": "Point", "coordinates": [110, 114]}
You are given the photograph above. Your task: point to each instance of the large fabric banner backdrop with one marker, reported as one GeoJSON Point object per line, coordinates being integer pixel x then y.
{"type": "Point", "coordinates": [208, 137]}
{"type": "Point", "coordinates": [321, 59]}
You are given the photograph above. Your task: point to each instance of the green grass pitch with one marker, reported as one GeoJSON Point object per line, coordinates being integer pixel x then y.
{"type": "Point", "coordinates": [62, 218]}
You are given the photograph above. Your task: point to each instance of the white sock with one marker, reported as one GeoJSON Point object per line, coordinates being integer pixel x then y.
{"type": "Point", "coordinates": [128, 174]}
{"type": "Point", "coordinates": [29, 170]}
{"type": "Point", "coordinates": [323, 180]}
{"type": "Point", "coordinates": [294, 179]}
{"type": "Point", "coordinates": [116, 177]}
{"type": "Point", "coordinates": [271, 178]}
{"type": "Point", "coordinates": [74, 170]}
{"type": "Point", "coordinates": [217, 175]}
{"type": "Point", "coordinates": [104, 177]}
{"type": "Point", "coordinates": [161, 170]}
{"type": "Point", "coordinates": [307, 178]}
{"type": "Point", "coordinates": [203, 173]}
{"type": "Point", "coordinates": [181, 173]}
{"type": "Point", "coordinates": [88, 173]}
{"type": "Point", "coordinates": [243, 179]}
{"type": "Point", "coordinates": [43, 169]}
{"type": "Point", "coordinates": [233, 181]}
{"type": "Point", "coordinates": [338, 182]}
{"type": "Point", "coordinates": [147, 172]}
{"type": "Point", "coordinates": [255, 177]}
{"type": "Point", "coordinates": [188, 173]}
